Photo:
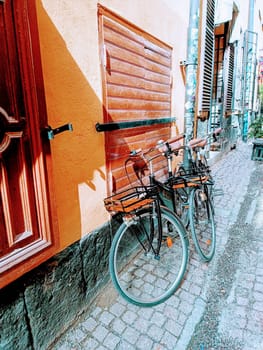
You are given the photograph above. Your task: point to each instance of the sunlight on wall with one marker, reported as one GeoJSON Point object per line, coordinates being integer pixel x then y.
{"type": "Point", "coordinates": [88, 204]}
{"type": "Point", "coordinates": [76, 21]}
{"type": "Point", "coordinates": [73, 87]}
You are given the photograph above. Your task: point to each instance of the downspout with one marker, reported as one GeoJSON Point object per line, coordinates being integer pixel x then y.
{"type": "Point", "coordinates": [247, 113]}
{"type": "Point", "coordinates": [191, 74]}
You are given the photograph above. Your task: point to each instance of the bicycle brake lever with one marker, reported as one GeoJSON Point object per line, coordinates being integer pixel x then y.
{"type": "Point", "coordinates": [135, 152]}
{"type": "Point", "coordinates": [160, 143]}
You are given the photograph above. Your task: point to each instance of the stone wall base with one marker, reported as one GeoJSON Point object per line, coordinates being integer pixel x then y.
{"type": "Point", "coordinates": [38, 307]}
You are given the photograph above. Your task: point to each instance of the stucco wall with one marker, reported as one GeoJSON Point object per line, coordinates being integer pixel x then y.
{"type": "Point", "coordinates": [70, 59]}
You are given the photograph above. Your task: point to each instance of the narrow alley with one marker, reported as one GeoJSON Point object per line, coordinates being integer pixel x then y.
{"type": "Point", "coordinates": [89, 90]}
{"type": "Point", "coordinates": [219, 305]}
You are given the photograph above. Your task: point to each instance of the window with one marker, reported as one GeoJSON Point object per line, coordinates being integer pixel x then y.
{"type": "Point", "coordinates": [228, 79]}
{"type": "Point", "coordinates": [136, 73]}
{"type": "Point", "coordinates": [218, 82]}
{"type": "Point", "coordinates": [206, 57]}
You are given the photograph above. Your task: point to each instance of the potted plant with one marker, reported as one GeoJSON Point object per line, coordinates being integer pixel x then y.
{"type": "Point", "coordinates": [256, 132]}
{"type": "Point", "coordinates": [256, 128]}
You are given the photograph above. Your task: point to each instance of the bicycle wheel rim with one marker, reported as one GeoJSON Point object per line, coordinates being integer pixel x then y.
{"type": "Point", "coordinates": [139, 276]}
{"type": "Point", "coordinates": [202, 223]}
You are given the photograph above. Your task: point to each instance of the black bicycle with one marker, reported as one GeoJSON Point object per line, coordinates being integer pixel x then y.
{"type": "Point", "coordinates": [149, 251]}
{"type": "Point", "coordinates": [191, 192]}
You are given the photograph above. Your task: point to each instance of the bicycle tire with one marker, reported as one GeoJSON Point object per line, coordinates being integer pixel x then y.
{"type": "Point", "coordinates": [202, 223]}
{"type": "Point", "coordinates": [137, 273]}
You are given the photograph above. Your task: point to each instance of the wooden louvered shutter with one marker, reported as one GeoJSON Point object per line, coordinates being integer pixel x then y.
{"type": "Point", "coordinates": [206, 58]}
{"type": "Point", "coordinates": [136, 77]}
{"type": "Point", "coordinates": [228, 79]}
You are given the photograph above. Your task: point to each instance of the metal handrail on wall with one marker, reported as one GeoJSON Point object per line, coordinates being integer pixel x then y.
{"type": "Point", "coordinates": [132, 124]}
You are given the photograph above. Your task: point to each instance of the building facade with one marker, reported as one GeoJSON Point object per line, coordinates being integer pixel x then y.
{"type": "Point", "coordinates": [82, 84]}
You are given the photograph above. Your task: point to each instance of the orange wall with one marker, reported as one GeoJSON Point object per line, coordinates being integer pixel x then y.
{"type": "Point", "coordinates": [70, 59]}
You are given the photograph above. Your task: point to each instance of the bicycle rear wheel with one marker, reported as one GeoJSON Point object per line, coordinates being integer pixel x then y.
{"type": "Point", "coordinates": [140, 275]}
{"type": "Point", "coordinates": [202, 223]}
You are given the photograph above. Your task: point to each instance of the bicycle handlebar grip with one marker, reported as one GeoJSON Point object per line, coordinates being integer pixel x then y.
{"type": "Point", "coordinates": [135, 152]}
{"type": "Point", "coordinates": [194, 142]}
{"type": "Point", "coordinates": [170, 145]}
{"type": "Point", "coordinates": [176, 138]}
{"type": "Point", "coordinates": [217, 131]}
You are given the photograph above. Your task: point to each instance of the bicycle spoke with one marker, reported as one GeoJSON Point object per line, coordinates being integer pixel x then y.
{"type": "Point", "coordinates": [139, 274]}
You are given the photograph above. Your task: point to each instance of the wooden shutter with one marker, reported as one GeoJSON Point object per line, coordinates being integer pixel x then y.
{"type": "Point", "coordinates": [228, 79]}
{"type": "Point", "coordinates": [25, 227]}
{"type": "Point", "coordinates": [206, 58]}
{"type": "Point", "coordinates": [136, 73]}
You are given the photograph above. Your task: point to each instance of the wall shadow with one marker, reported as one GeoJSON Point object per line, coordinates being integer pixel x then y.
{"type": "Point", "coordinates": [78, 157]}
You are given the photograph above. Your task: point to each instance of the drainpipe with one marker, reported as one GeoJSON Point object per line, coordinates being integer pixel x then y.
{"type": "Point", "coordinates": [248, 85]}
{"type": "Point", "coordinates": [191, 74]}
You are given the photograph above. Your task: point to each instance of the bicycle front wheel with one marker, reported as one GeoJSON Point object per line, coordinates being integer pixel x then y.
{"type": "Point", "coordinates": [202, 223]}
{"type": "Point", "coordinates": [140, 274]}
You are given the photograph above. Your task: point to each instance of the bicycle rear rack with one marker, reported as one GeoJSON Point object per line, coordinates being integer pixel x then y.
{"type": "Point", "coordinates": [130, 199]}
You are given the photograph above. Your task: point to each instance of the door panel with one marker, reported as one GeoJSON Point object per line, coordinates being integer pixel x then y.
{"type": "Point", "coordinates": [25, 220]}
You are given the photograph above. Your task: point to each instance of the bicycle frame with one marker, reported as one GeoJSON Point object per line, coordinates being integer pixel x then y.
{"type": "Point", "coordinates": [166, 193]}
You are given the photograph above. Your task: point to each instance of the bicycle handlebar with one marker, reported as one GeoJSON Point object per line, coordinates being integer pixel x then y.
{"type": "Point", "coordinates": [201, 142]}
{"type": "Point", "coordinates": [217, 131]}
{"type": "Point", "coordinates": [176, 138]}
{"type": "Point", "coordinates": [135, 152]}
{"type": "Point", "coordinates": [171, 145]}
{"type": "Point", "coordinates": [138, 154]}
{"type": "Point", "coordinates": [197, 142]}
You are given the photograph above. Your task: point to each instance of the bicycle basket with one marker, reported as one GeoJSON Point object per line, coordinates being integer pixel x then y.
{"type": "Point", "coordinates": [130, 199]}
{"type": "Point", "coordinates": [190, 179]}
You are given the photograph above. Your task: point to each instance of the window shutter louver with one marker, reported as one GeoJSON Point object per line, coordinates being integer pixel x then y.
{"type": "Point", "coordinates": [136, 78]}
{"type": "Point", "coordinates": [228, 79]}
{"type": "Point", "coordinates": [206, 59]}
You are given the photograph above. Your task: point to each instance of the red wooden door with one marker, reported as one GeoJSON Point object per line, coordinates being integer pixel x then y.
{"type": "Point", "coordinates": [25, 229]}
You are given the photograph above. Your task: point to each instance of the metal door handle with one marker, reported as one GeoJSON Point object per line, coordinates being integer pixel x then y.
{"type": "Point", "coordinates": [52, 132]}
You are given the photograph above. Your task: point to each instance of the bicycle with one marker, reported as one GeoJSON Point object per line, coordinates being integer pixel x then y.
{"type": "Point", "coordinates": [197, 183]}
{"type": "Point", "coordinates": [174, 196]}
{"type": "Point", "coordinates": [149, 252]}
{"type": "Point", "coordinates": [186, 192]}
{"type": "Point", "coordinates": [197, 150]}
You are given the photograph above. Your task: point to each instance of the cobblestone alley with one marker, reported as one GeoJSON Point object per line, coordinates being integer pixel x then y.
{"type": "Point", "coordinates": [219, 305]}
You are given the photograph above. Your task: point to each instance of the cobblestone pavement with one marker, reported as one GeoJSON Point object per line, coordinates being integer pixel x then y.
{"type": "Point", "coordinates": [219, 305]}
